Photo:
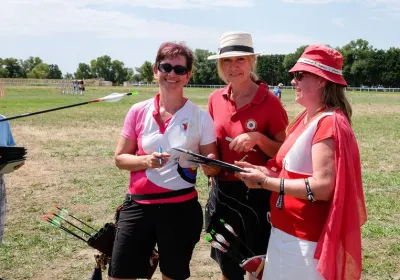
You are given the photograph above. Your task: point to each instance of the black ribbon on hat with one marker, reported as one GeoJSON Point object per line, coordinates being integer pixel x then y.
{"type": "Point", "coordinates": [236, 48]}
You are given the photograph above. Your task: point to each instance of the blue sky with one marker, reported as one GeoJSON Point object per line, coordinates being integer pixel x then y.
{"type": "Point", "coordinates": [67, 32]}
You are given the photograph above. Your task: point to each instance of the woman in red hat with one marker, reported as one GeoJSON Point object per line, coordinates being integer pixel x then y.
{"type": "Point", "coordinates": [317, 202]}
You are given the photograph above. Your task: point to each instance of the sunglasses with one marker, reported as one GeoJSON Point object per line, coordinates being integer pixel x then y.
{"type": "Point", "coordinates": [167, 68]}
{"type": "Point", "coordinates": [298, 75]}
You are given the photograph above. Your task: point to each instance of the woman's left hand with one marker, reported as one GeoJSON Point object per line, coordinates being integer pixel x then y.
{"type": "Point", "coordinates": [252, 178]}
{"type": "Point", "coordinates": [210, 170]}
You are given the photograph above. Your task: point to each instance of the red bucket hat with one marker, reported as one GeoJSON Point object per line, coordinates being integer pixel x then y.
{"type": "Point", "coordinates": [322, 61]}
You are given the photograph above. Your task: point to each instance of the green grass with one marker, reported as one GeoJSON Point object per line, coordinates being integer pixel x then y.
{"type": "Point", "coordinates": [70, 163]}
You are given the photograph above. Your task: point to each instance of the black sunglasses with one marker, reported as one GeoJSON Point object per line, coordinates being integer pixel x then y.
{"type": "Point", "coordinates": [298, 75]}
{"type": "Point", "coordinates": [167, 68]}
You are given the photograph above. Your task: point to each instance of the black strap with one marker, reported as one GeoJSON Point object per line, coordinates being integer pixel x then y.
{"type": "Point", "coordinates": [152, 196]}
{"type": "Point", "coordinates": [279, 202]}
{"type": "Point", "coordinates": [310, 195]}
{"type": "Point", "coordinates": [236, 48]}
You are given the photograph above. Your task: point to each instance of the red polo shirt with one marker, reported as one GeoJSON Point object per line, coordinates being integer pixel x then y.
{"type": "Point", "coordinates": [264, 114]}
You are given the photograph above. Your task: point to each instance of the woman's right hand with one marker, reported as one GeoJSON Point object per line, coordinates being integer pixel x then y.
{"type": "Point", "coordinates": [157, 160]}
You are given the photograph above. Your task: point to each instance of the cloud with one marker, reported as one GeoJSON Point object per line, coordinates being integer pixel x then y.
{"type": "Point", "coordinates": [160, 4]}
{"type": "Point", "coordinates": [317, 2]}
{"type": "Point", "coordinates": [338, 22]}
{"type": "Point", "coordinates": [287, 39]}
{"type": "Point", "coordinates": [390, 7]}
{"type": "Point", "coordinates": [51, 17]}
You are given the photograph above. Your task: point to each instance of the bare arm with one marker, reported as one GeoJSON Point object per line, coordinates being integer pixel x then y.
{"type": "Point", "coordinates": [322, 181]}
{"type": "Point", "coordinates": [210, 151]}
{"type": "Point", "coordinates": [126, 159]}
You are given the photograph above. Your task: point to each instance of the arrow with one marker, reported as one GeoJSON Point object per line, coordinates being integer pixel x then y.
{"type": "Point", "coordinates": [66, 212]}
{"type": "Point", "coordinates": [230, 229]}
{"type": "Point", "coordinates": [113, 97]}
{"type": "Point", "coordinates": [68, 222]}
{"type": "Point", "coordinates": [58, 225]}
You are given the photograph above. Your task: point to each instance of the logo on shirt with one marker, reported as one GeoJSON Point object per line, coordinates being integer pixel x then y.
{"type": "Point", "coordinates": [184, 124]}
{"type": "Point", "coordinates": [251, 125]}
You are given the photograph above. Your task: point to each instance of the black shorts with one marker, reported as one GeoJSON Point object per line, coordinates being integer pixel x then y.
{"type": "Point", "coordinates": [174, 227]}
{"type": "Point", "coordinates": [246, 211]}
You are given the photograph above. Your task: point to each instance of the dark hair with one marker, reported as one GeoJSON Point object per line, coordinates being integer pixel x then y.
{"type": "Point", "coordinates": [172, 50]}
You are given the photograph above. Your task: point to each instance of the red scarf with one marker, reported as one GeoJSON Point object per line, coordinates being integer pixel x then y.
{"type": "Point", "coordinates": [339, 247]}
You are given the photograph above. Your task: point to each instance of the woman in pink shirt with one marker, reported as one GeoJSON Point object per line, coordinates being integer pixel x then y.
{"type": "Point", "coordinates": [161, 206]}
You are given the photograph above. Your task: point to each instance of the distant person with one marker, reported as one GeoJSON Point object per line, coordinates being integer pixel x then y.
{"type": "Point", "coordinates": [278, 90]}
{"type": "Point", "coordinates": [250, 123]}
{"type": "Point", "coordinates": [161, 205]}
{"type": "Point", "coordinates": [81, 87]}
{"type": "Point", "coordinates": [76, 86]}
{"type": "Point", "coordinates": [317, 199]}
{"type": "Point", "coordinates": [7, 140]}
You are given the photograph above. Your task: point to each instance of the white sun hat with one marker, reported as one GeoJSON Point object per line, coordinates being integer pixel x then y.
{"type": "Point", "coordinates": [235, 43]}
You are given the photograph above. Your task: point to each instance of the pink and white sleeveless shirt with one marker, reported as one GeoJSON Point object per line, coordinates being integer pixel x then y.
{"type": "Point", "coordinates": [188, 128]}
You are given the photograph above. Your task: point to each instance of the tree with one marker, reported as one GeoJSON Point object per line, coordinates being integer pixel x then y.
{"type": "Point", "coordinates": [270, 69]}
{"type": "Point", "coordinates": [204, 71]}
{"type": "Point", "coordinates": [68, 76]}
{"type": "Point", "coordinates": [41, 71]}
{"type": "Point", "coordinates": [3, 70]}
{"type": "Point", "coordinates": [359, 53]}
{"type": "Point", "coordinates": [119, 72]}
{"type": "Point", "coordinates": [83, 72]}
{"type": "Point", "coordinates": [102, 68]}
{"type": "Point", "coordinates": [54, 72]}
{"type": "Point", "coordinates": [391, 75]}
{"type": "Point", "coordinates": [30, 63]}
{"type": "Point", "coordinates": [13, 68]}
{"type": "Point", "coordinates": [146, 72]}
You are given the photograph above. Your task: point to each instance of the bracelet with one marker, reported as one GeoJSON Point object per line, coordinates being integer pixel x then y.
{"type": "Point", "coordinates": [261, 183]}
{"type": "Point", "coordinates": [279, 202]}
{"type": "Point", "coordinates": [310, 194]}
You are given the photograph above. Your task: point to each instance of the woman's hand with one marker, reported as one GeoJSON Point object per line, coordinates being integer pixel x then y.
{"type": "Point", "coordinates": [157, 160]}
{"type": "Point", "coordinates": [244, 142]}
{"type": "Point", "coordinates": [252, 178]}
{"type": "Point", "coordinates": [210, 170]}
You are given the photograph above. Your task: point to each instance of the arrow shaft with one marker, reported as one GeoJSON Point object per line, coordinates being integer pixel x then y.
{"type": "Point", "coordinates": [66, 212]}
{"type": "Point", "coordinates": [68, 222]}
{"type": "Point", "coordinates": [65, 229]}
{"type": "Point", "coordinates": [60, 108]}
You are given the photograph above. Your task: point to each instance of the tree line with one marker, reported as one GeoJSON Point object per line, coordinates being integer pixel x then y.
{"type": "Point", "coordinates": [364, 65]}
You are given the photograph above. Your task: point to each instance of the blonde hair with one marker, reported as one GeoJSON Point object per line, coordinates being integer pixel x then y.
{"type": "Point", "coordinates": [333, 97]}
{"type": "Point", "coordinates": [252, 61]}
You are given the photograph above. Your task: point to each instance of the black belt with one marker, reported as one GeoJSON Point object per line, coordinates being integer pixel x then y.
{"type": "Point", "coordinates": [151, 196]}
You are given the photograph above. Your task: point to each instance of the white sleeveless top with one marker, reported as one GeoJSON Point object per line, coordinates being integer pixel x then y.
{"type": "Point", "coordinates": [299, 157]}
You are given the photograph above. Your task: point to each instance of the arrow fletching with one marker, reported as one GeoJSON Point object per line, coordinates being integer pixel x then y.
{"type": "Point", "coordinates": [115, 97]}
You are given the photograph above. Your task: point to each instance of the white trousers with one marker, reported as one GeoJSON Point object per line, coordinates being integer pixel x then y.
{"type": "Point", "coordinates": [289, 257]}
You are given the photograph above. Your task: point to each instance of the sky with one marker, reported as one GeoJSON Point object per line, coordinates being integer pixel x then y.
{"type": "Point", "coordinates": [68, 32]}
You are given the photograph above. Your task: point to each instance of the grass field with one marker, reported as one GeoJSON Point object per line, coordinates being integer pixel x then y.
{"type": "Point", "coordinates": [70, 163]}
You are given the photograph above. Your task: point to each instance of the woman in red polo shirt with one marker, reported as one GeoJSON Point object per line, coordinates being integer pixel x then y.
{"type": "Point", "coordinates": [250, 122]}
{"type": "Point", "coordinates": [317, 198]}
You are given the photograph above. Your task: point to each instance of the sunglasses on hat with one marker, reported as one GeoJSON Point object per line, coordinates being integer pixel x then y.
{"type": "Point", "coordinates": [167, 68]}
